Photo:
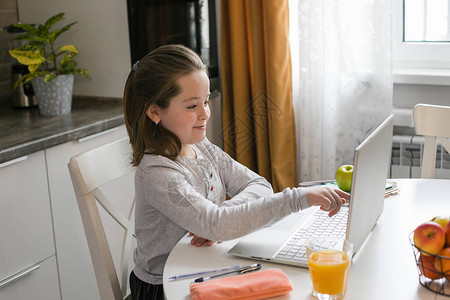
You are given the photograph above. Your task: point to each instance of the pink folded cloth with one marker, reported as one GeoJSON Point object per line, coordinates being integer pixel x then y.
{"type": "Point", "coordinates": [258, 285]}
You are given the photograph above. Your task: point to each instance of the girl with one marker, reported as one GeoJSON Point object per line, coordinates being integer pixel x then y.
{"type": "Point", "coordinates": [182, 179]}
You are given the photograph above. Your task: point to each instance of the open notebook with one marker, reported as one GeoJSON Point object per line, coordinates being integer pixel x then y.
{"type": "Point", "coordinates": [284, 241]}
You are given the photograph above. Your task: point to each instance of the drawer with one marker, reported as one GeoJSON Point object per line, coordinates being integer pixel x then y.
{"type": "Point", "coordinates": [38, 281]}
{"type": "Point", "coordinates": [26, 231]}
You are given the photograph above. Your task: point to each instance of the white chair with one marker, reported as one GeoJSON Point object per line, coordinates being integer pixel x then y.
{"type": "Point", "coordinates": [90, 171]}
{"type": "Point", "coordinates": [433, 122]}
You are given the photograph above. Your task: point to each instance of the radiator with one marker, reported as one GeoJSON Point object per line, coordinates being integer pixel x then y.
{"type": "Point", "coordinates": [407, 156]}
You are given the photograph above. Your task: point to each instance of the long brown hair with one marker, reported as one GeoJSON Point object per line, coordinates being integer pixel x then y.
{"type": "Point", "coordinates": [154, 80]}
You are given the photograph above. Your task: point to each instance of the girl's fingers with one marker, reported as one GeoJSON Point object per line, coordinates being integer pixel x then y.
{"type": "Point", "coordinates": [198, 241]}
{"type": "Point", "coordinates": [343, 194]}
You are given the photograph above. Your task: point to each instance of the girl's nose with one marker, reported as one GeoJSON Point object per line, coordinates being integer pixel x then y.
{"type": "Point", "coordinates": [204, 113]}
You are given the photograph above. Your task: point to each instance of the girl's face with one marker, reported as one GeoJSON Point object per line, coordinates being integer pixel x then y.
{"type": "Point", "coordinates": [188, 112]}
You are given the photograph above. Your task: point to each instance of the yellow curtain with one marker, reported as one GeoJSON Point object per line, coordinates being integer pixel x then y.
{"type": "Point", "coordinates": [258, 117]}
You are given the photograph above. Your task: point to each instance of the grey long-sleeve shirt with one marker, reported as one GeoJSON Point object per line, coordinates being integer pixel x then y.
{"type": "Point", "coordinates": [174, 197]}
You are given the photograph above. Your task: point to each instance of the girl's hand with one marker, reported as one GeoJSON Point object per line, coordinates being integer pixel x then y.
{"type": "Point", "coordinates": [328, 198]}
{"type": "Point", "coordinates": [199, 241]}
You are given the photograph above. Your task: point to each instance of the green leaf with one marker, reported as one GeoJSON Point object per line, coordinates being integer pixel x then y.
{"type": "Point", "coordinates": [29, 79]}
{"type": "Point", "coordinates": [82, 72]}
{"type": "Point", "coordinates": [25, 78]}
{"type": "Point", "coordinates": [36, 75]}
{"type": "Point", "coordinates": [68, 48]}
{"type": "Point", "coordinates": [32, 46]}
{"type": "Point", "coordinates": [66, 59]}
{"type": "Point", "coordinates": [62, 30]}
{"type": "Point", "coordinates": [33, 38]}
{"type": "Point", "coordinates": [16, 84]}
{"type": "Point", "coordinates": [50, 57]}
{"type": "Point", "coordinates": [23, 36]}
{"type": "Point", "coordinates": [43, 33]}
{"type": "Point", "coordinates": [27, 27]}
{"type": "Point", "coordinates": [42, 28]}
{"type": "Point", "coordinates": [27, 57]}
{"type": "Point", "coordinates": [33, 68]}
{"type": "Point", "coordinates": [52, 36]}
{"type": "Point", "coordinates": [49, 77]}
{"type": "Point", "coordinates": [53, 20]}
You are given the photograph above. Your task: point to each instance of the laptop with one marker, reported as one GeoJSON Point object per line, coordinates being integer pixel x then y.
{"type": "Point", "coordinates": [354, 221]}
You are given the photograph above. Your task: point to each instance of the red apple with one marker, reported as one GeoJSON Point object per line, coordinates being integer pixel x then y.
{"type": "Point", "coordinates": [429, 237]}
{"type": "Point", "coordinates": [447, 235]}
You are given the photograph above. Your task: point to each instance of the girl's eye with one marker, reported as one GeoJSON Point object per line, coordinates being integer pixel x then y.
{"type": "Point", "coordinates": [206, 103]}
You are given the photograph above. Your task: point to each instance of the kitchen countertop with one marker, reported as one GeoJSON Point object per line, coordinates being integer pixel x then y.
{"type": "Point", "coordinates": [24, 131]}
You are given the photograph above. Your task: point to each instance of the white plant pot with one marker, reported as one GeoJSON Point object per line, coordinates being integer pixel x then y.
{"type": "Point", "coordinates": [55, 97]}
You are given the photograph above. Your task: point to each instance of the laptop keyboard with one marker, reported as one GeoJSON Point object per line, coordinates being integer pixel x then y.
{"type": "Point", "coordinates": [295, 248]}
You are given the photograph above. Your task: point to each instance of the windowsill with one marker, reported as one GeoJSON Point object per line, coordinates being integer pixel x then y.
{"type": "Point", "coordinates": [426, 76]}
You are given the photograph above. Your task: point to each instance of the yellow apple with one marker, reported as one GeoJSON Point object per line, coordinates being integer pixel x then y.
{"type": "Point", "coordinates": [442, 220]}
{"type": "Point", "coordinates": [344, 177]}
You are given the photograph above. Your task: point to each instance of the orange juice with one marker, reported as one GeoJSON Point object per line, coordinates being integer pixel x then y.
{"type": "Point", "coordinates": [329, 271]}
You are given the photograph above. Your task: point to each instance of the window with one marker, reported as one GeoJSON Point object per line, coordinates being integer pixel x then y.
{"type": "Point", "coordinates": [421, 32]}
{"type": "Point", "coordinates": [426, 21]}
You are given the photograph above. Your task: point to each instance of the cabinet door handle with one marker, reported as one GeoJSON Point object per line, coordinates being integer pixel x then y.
{"type": "Point", "coordinates": [18, 276]}
{"type": "Point", "coordinates": [13, 161]}
{"type": "Point", "coordinates": [86, 138]}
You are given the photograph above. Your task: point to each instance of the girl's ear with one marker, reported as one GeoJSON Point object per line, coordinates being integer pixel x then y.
{"type": "Point", "coordinates": [153, 113]}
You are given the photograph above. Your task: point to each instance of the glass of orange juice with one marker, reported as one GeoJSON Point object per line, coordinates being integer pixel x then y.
{"type": "Point", "coordinates": [329, 261]}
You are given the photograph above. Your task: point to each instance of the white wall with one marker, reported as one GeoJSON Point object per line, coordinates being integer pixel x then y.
{"type": "Point", "coordinates": [406, 96]}
{"type": "Point", "coordinates": [101, 36]}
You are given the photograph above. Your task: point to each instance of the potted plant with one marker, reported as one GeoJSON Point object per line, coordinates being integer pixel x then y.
{"type": "Point", "coordinates": [51, 68]}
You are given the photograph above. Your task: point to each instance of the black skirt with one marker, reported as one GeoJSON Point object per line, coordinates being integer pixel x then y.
{"type": "Point", "coordinates": [141, 290]}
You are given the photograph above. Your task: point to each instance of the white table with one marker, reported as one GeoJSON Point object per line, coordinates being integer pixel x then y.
{"type": "Point", "coordinates": [383, 269]}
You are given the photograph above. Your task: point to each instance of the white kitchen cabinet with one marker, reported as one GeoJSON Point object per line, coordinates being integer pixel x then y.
{"type": "Point", "coordinates": [76, 274]}
{"type": "Point", "coordinates": [26, 231]}
{"type": "Point", "coordinates": [40, 283]}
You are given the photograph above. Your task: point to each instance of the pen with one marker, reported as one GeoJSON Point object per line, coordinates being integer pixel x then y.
{"type": "Point", "coordinates": [225, 269]}
{"type": "Point", "coordinates": [242, 270]}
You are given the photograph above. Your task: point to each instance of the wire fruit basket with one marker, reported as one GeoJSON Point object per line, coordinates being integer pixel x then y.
{"type": "Point", "coordinates": [430, 277]}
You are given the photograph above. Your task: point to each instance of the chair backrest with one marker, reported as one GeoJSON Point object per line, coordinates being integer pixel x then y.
{"type": "Point", "coordinates": [433, 122]}
{"type": "Point", "coordinates": [90, 171]}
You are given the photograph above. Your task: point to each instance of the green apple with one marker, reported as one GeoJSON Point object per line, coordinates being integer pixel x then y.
{"type": "Point", "coordinates": [344, 177]}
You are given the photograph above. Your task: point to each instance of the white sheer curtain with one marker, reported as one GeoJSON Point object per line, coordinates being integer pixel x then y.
{"type": "Point", "coordinates": [342, 78]}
